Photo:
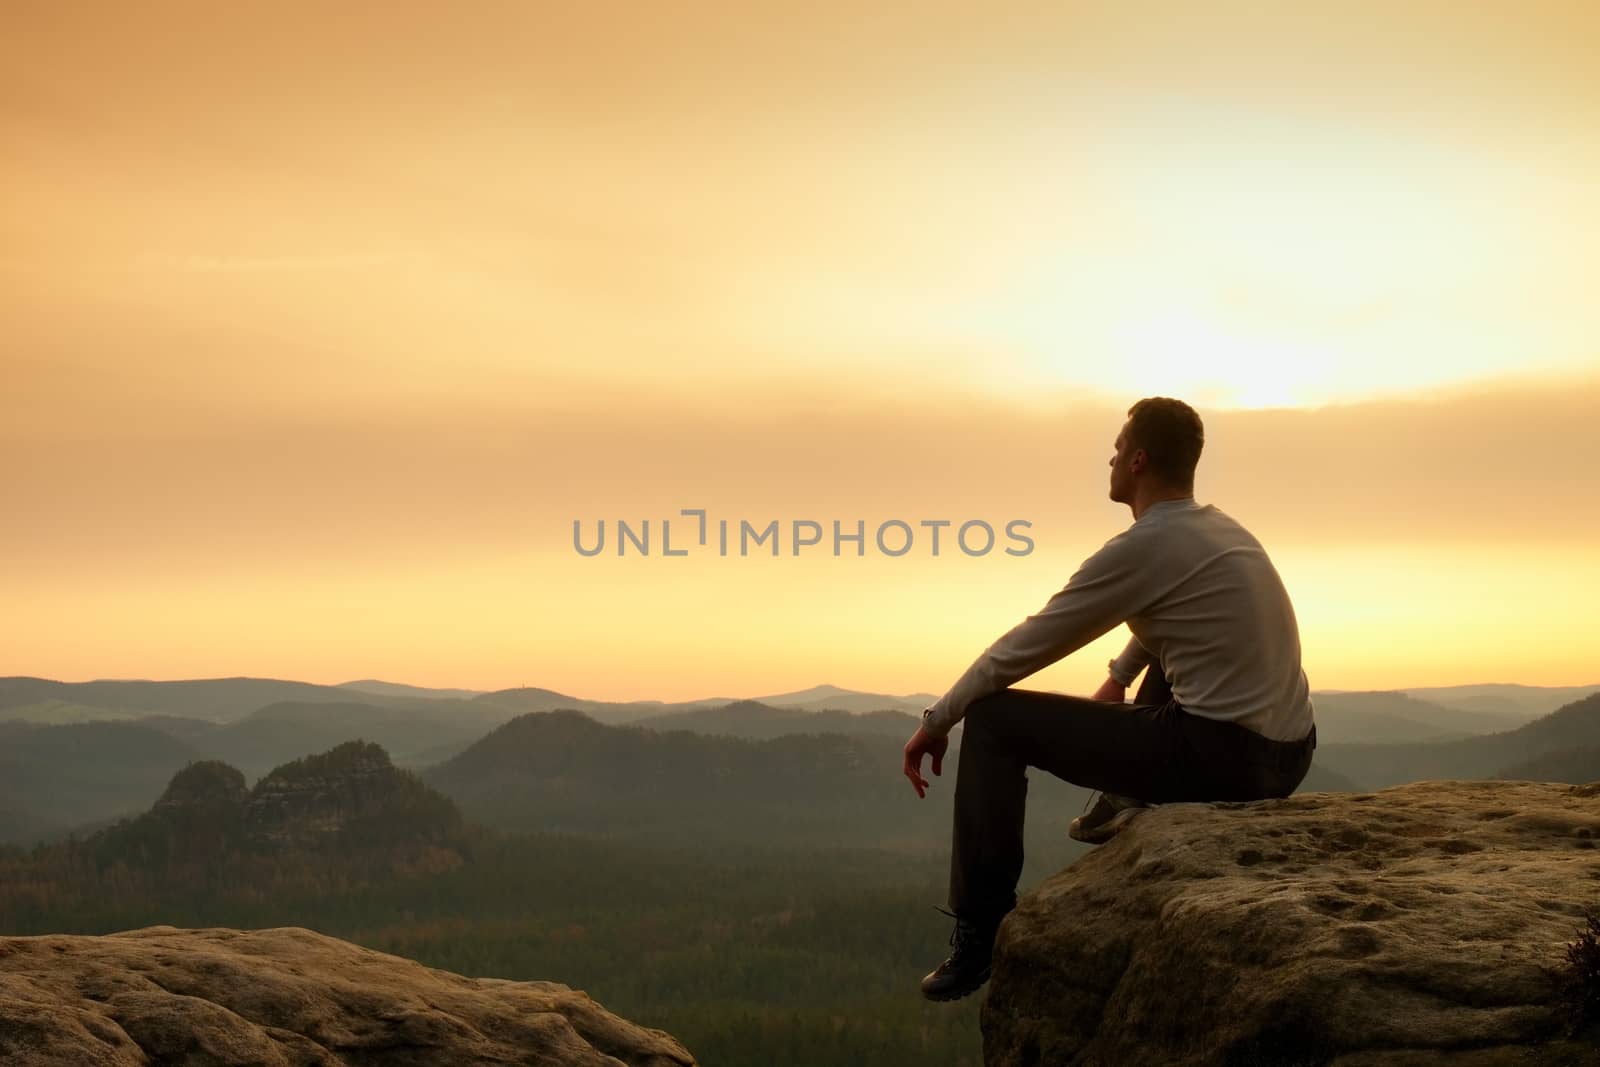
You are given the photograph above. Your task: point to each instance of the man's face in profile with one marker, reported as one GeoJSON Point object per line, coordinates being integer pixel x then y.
{"type": "Point", "coordinates": [1121, 474]}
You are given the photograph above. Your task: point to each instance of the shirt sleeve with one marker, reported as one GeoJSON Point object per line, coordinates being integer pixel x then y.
{"type": "Point", "coordinates": [1104, 591]}
{"type": "Point", "coordinates": [1129, 662]}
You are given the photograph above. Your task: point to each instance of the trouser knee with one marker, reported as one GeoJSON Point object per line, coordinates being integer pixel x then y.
{"type": "Point", "coordinates": [983, 715]}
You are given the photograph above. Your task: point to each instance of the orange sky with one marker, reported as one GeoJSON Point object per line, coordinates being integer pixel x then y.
{"type": "Point", "coordinates": [322, 327]}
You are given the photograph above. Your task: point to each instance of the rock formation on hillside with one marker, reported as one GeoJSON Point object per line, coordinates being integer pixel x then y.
{"type": "Point", "coordinates": [1421, 924]}
{"type": "Point", "coordinates": [351, 791]}
{"type": "Point", "coordinates": [287, 996]}
{"type": "Point", "coordinates": [347, 814]}
{"type": "Point", "coordinates": [204, 784]}
{"type": "Point", "coordinates": [347, 798]}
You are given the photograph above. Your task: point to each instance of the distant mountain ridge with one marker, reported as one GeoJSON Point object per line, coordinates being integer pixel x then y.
{"type": "Point", "coordinates": [230, 699]}
{"type": "Point", "coordinates": [1481, 708]}
{"type": "Point", "coordinates": [833, 698]}
{"type": "Point", "coordinates": [1505, 697]}
{"type": "Point", "coordinates": [1394, 717]}
{"type": "Point", "coordinates": [215, 699]}
{"type": "Point", "coordinates": [399, 689]}
{"type": "Point", "coordinates": [288, 729]}
{"type": "Point", "coordinates": [756, 720]}
{"type": "Point", "coordinates": [817, 698]}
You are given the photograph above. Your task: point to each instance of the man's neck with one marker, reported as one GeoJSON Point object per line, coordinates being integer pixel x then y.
{"type": "Point", "coordinates": [1142, 501]}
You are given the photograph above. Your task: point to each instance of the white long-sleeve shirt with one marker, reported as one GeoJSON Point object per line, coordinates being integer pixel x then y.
{"type": "Point", "coordinates": [1200, 596]}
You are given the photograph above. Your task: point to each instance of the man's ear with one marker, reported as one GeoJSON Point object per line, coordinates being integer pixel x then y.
{"type": "Point", "coordinates": [1138, 461]}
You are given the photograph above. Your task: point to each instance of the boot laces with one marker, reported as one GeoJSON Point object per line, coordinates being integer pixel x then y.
{"type": "Point", "coordinates": [965, 937]}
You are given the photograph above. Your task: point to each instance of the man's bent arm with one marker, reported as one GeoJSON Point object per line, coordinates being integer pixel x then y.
{"type": "Point", "coordinates": [1129, 662]}
{"type": "Point", "coordinates": [1106, 589]}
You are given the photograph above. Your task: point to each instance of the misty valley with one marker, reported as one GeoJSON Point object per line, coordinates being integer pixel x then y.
{"type": "Point", "coordinates": [754, 877]}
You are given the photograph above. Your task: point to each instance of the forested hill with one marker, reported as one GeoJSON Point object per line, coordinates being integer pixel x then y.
{"type": "Point", "coordinates": [56, 777]}
{"type": "Point", "coordinates": [345, 816]}
{"type": "Point", "coordinates": [562, 771]}
{"type": "Point", "coordinates": [1574, 726]}
{"type": "Point", "coordinates": [1579, 766]}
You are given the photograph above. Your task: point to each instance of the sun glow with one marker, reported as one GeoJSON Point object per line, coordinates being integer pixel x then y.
{"type": "Point", "coordinates": [1195, 356]}
{"type": "Point", "coordinates": [311, 314]}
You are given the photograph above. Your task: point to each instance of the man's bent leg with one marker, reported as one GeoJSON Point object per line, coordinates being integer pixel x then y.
{"type": "Point", "coordinates": [1129, 750]}
{"type": "Point", "coordinates": [990, 805]}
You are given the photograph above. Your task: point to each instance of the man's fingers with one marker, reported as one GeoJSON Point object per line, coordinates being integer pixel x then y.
{"type": "Point", "coordinates": [938, 763]}
{"type": "Point", "coordinates": [913, 771]}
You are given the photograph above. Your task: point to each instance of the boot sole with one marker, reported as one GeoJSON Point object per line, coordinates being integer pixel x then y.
{"type": "Point", "coordinates": [957, 995]}
{"type": "Point", "coordinates": [1104, 832]}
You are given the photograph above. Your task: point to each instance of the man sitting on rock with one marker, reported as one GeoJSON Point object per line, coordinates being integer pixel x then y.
{"type": "Point", "coordinates": [1224, 712]}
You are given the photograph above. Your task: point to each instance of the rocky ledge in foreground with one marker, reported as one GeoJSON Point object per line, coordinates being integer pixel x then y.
{"type": "Point", "coordinates": [288, 997]}
{"type": "Point", "coordinates": [1417, 925]}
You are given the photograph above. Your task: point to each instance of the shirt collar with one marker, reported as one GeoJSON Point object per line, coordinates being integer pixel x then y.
{"type": "Point", "coordinates": [1169, 505]}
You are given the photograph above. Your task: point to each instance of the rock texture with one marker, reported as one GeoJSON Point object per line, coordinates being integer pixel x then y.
{"type": "Point", "coordinates": [1417, 925]}
{"type": "Point", "coordinates": [287, 996]}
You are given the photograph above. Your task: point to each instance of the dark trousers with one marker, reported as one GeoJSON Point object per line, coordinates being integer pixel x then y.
{"type": "Point", "coordinates": [1152, 749]}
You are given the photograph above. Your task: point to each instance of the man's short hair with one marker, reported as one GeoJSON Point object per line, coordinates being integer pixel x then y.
{"type": "Point", "coordinates": [1171, 435]}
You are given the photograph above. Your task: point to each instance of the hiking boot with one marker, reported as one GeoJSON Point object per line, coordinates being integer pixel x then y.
{"type": "Point", "coordinates": [968, 966]}
{"type": "Point", "coordinates": [1106, 819]}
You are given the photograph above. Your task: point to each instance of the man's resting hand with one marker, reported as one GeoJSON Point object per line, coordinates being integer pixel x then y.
{"type": "Point", "coordinates": [1111, 691]}
{"type": "Point", "coordinates": [922, 743]}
